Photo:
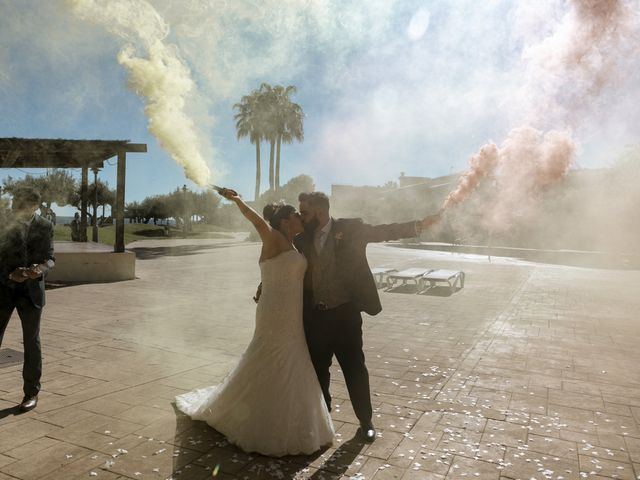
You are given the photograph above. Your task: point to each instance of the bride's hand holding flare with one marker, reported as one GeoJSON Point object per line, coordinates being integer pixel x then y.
{"type": "Point", "coordinates": [227, 193]}
{"type": "Point", "coordinates": [230, 194]}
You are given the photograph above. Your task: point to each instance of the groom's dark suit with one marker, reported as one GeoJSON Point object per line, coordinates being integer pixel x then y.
{"type": "Point", "coordinates": [333, 325]}
{"type": "Point", "coordinates": [22, 245]}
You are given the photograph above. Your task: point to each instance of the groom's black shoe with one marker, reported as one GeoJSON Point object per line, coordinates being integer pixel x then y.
{"type": "Point", "coordinates": [367, 432]}
{"type": "Point", "coordinates": [28, 403]}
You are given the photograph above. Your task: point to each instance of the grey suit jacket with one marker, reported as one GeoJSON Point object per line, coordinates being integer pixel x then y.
{"type": "Point", "coordinates": [351, 236]}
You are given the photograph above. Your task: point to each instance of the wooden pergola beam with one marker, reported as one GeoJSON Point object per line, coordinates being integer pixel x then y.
{"type": "Point", "coordinates": [120, 189]}
{"type": "Point", "coordinates": [83, 154]}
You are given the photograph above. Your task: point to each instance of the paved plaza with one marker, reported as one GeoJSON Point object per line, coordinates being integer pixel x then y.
{"type": "Point", "coordinates": [531, 371]}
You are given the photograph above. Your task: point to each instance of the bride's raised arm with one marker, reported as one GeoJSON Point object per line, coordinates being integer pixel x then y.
{"type": "Point", "coordinates": [261, 226]}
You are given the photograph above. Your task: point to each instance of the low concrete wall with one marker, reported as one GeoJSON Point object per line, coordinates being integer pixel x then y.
{"type": "Point", "coordinates": [93, 267]}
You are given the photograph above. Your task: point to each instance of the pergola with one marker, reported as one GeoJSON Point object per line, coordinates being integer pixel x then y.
{"type": "Point", "coordinates": [83, 154]}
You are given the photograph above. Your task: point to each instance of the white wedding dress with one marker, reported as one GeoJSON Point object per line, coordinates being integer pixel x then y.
{"type": "Point", "coordinates": [271, 402]}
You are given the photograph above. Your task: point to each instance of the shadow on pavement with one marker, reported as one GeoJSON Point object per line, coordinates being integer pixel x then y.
{"type": "Point", "coordinates": [440, 291]}
{"type": "Point", "coordinates": [5, 412]}
{"type": "Point", "coordinates": [146, 253]}
{"type": "Point", "coordinates": [339, 462]}
{"type": "Point", "coordinates": [202, 452]}
{"type": "Point", "coordinates": [407, 288]}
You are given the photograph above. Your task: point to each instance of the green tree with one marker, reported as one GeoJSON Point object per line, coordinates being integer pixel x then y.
{"type": "Point", "coordinates": [4, 210]}
{"type": "Point", "coordinates": [134, 212]}
{"type": "Point", "coordinates": [155, 208]}
{"type": "Point", "coordinates": [100, 195]}
{"type": "Point", "coordinates": [57, 186]}
{"type": "Point", "coordinates": [106, 196]}
{"type": "Point", "coordinates": [206, 205]}
{"type": "Point", "coordinates": [288, 192]}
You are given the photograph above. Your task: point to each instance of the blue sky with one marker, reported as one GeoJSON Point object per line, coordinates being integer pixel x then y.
{"type": "Point", "coordinates": [387, 86]}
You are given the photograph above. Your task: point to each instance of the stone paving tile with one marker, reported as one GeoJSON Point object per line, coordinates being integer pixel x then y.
{"type": "Point", "coordinates": [144, 415]}
{"type": "Point", "coordinates": [46, 461]}
{"type": "Point", "coordinates": [578, 437]}
{"type": "Point", "coordinates": [487, 452]}
{"type": "Point", "coordinates": [633, 447]}
{"type": "Point", "coordinates": [103, 406]}
{"type": "Point", "coordinates": [504, 433]}
{"type": "Point", "coordinates": [522, 463]}
{"type": "Point", "coordinates": [88, 466]}
{"type": "Point", "coordinates": [32, 448]}
{"type": "Point", "coordinates": [6, 460]}
{"type": "Point", "coordinates": [606, 468]}
{"type": "Point", "coordinates": [465, 468]}
{"type": "Point", "coordinates": [417, 474]}
{"type": "Point", "coordinates": [6, 477]}
{"type": "Point", "coordinates": [151, 456]}
{"type": "Point", "coordinates": [45, 405]}
{"type": "Point", "coordinates": [63, 417]}
{"type": "Point", "coordinates": [553, 447]}
{"type": "Point", "coordinates": [514, 376]}
{"type": "Point", "coordinates": [408, 452]}
{"type": "Point", "coordinates": [23, 431]}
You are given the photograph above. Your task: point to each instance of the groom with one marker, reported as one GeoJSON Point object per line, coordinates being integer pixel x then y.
{"type": "Point", "coordinates": [338, 286]}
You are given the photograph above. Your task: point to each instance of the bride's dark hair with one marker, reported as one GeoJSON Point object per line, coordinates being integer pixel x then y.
{"type": "Point", "coordinates": [274, 213]}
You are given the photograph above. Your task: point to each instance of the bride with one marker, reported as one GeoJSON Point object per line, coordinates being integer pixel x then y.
{"type": "Point", "coordinates": [271, 402]}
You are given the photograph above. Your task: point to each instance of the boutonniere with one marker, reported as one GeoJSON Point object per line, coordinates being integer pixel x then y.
{"type": "Point", "coordinates": [338, 238]}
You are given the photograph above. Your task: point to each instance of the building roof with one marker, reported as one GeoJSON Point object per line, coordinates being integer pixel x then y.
{"type": "Point", "coordinates": [61, 153]}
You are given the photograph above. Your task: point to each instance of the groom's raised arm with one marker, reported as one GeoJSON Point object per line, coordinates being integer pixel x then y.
{"type": "Point", "coordinates": [396, 231]}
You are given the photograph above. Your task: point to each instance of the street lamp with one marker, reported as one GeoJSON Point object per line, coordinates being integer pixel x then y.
{"type": "Point", "coordinates": [184, 213]}
{"type": "Point", "coordinates": [95, 171]}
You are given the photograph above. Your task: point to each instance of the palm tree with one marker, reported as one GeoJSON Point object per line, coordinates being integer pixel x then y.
{"type": "Point", "coordinates": [269, 114]}
{"type": "Point", "coordinates": [269, 106]}
{"type": "Point", "coordinates": [250, 123]}
{"type": "Point", "coordinates": [289, 124]}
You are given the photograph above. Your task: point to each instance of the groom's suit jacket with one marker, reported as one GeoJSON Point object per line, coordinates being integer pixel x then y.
{"type": "Point", "coordinates": [350, 237]}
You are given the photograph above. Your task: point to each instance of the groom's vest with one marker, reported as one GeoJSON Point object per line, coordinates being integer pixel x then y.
{"type": "Point", "coordinates": [352, 280]}
{"type": "Point", "coordinates": [327, 286]}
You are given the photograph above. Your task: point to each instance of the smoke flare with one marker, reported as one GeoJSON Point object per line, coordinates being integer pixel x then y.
{"type": "Point", "coordinates": [480, 165]}
{"type": "Point", "coordinates": [161, 78]}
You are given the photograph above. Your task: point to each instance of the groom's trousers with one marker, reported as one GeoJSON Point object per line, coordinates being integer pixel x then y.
{"type": "Point", "coordinates": [18, 299]}
{"type": "Point", "coordinates": [339, 331]}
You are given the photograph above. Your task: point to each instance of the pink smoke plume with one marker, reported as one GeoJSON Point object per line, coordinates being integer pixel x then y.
{"type": "Point", "coordinates": [527, 163]}
{"type": "Point", "coordinates": [480, 165]}
{"type": "Point", "coordinates": [566, 72]}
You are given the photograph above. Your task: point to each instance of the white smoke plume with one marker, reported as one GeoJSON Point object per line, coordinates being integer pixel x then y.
{"type": "Point", "coordinates": [566, 72]}
{"type": "Point", "coordinates": [160, 76]}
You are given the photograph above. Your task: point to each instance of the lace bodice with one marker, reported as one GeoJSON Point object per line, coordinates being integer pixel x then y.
{"type": "Point", "coordinates": [280, 306]}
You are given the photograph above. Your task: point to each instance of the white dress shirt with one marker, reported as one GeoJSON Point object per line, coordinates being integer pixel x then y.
{"type": "Point", "coordinates": [321, 235]}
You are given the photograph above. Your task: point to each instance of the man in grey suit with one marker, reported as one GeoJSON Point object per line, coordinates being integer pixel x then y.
{"type": "Point", "coordinates": [26, 254]}
{"type": "Point", "coordinates": [338, 286]}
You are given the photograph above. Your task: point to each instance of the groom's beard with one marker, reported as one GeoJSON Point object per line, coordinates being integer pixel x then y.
{"type": "Point", "coordinates": [311, 226]}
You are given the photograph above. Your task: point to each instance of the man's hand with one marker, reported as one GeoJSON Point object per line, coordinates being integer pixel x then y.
{"type": "Point", "coordinates": [19, 275]}
{"type": "Point", "coordinates": [33, 272]}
